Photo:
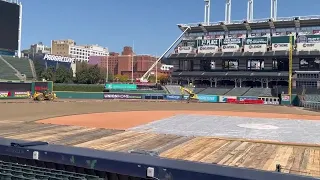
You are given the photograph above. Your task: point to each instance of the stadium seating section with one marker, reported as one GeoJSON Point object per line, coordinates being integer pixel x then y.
{"type": "Point", "coordinates": [312, 97]}
{"type": "Point", "coordinates": [10, 171]}
{"type": "Point", "coordinates": [244, 91]}
{"type": "Point", "coordinates": [20, 64]}
{"type": "Point", "coordinates": [6, 72]}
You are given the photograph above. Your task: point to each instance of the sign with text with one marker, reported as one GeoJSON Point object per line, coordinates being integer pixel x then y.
{"type": "Point", "coordinates": [308, 39]}
{"type": "Point", "coordinates": [308, 46]}
{"type": "Point", "coordinates": [208, 49]}
{"type": "Point", "coordinates": [208, 98]}
{"type": "Point", "coordinates": [173, 97]}
{"type": "Point", "coordinates": [242, 98]}
{"type": "Point", "coordinates": [280, 47]}
{"type": "Point", "coordinates": [185, 49]}
{"type": "Point", "coordinates": [121, 96]}
{"type": "Point", "coordinates": [256, 40]}
{"type": "Point", "coordinates": [230, 48]}
{"type": "Point", "coordinates": [255, 48]}
{"type": "Point", "coordinates": [4, 94]}
{"type": "Point", "coordinates": [21, 94]}
{"type": "Point", "coordinates": [51, 57]}
{"type": "Point", "coordinates": [209, 42]}
{"type": "Point", "coordinates": [237, 41]}
{"type": "Point", "coordinates": [225, 98]}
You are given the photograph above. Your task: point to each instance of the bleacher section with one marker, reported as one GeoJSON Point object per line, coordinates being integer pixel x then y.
{"type": "Point", "coordinates": [263, 92]}
{"type": "Point", "coordinates": [174, 89]}
{"type": "Point", "coordinates": [312, 97]}
{"type": "Point", "coordinates": [6, 73]}
{"type": "Point", "coordinates": [215, 91]}
{"type": "Point", "coordinates": [21, 64]}
{"type": "Point", "coordinates": [237, 91]}
{"type": "Point", "coordinates": [10, 171]}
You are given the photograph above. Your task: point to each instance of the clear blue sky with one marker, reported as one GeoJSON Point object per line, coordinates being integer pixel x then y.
{"type": "Point", "coordinates": [151, 24]}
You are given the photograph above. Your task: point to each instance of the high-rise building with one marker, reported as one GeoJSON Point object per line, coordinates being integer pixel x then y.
{"type": "Point", "coordinates": [81, 53]}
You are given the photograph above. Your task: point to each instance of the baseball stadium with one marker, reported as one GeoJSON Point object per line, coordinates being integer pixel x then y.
{"type": "Point", "coordinates": [241, 104]}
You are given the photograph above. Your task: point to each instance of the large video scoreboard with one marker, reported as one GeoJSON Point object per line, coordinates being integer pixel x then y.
{"type": "Point", "coordinates": [9, 25]}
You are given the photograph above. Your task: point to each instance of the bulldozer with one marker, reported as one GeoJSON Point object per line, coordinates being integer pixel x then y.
{"type": "Point", "coordinates": [191, 96]}
{"type": "Point", "coordinates": [44, 96]}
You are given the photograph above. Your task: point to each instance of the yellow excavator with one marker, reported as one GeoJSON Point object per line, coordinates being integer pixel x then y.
{"type": "Point", "coordinates": [44, 95]}
{"type": "Point", "coordinates": [186, 91]}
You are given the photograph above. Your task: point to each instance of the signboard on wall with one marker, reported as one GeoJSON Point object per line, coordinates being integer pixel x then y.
{"type": "Point", "coordinates": [209, 42]}
{"type": "Point", "coordinates": [185, 49]}
{"type": "Point", "coordinates": [230, 48]}
{"type": "Point", "coordinates": [121, 96]}
{"type": "Point", "coordinates": [255, 48]}
{"type": "Point", "coordinates": [256, 40]}
{"type": "Point", "coordinates": [208, 49]}
{"type": "Point", "coordinates": [4, 94]}
{"type": "Point", "coordinates": [280, 47]}
{"type": "Point", "coordinates": [308, 39]}
{"type": "Point", "coordinates": [238, 41]}
{"type": "Point", "coordinates": [308, 46]}
{"type": "Point", "coordinates": [225, 98]}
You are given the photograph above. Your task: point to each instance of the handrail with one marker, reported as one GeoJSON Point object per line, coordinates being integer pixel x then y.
{"type": "Point", "coordinates": [135, 165]}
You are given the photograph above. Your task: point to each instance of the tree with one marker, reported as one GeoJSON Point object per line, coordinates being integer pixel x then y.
{"type": "Point", "coordinates": [163, 78]}
{"type": "Point", "coordinates": [121, 78]}
{"type": "Point", "coordinates": [63, 75]}
{"type": "Point", "coordinates": [89, 74]}
{"type": "Point", "coordinates": [48, 74]}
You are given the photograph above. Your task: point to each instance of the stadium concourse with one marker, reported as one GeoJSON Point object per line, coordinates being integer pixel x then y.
{"type": "Point", "coordinates": [250, 136]}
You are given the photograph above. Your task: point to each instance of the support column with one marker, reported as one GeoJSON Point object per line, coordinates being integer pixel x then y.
{"type": "Point", "coordinates": [273, 12]}
{"type": "Point", "coordinates": [240, 82]}
{"type": "Point", "coordinates": [207, 12]}
{"type": "Point", "coordinates": [211, 82]}
{"type": "Point", "coordinates": [235, 83]}
{"type": "Point", "coordinates": [215, 82]}
{"type": "Point", "coordinates": [250, 10]}
{"type": "Point", "coordinates": [228, 12]}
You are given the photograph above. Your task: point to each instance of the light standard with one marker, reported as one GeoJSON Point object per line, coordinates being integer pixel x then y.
{"type": "Point", "coordinates": [107, 77]}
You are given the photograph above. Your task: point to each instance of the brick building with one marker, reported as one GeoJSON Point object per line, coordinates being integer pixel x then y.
{"type": "Point", "coordinates": [122, 64]}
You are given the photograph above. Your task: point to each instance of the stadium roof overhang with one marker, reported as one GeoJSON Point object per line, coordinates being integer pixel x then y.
{"type": "Point", "coordinates": [243, 25]}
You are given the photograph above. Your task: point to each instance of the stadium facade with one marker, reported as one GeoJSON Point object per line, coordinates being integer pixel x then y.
{"type": "Point", "coordinates": [10, 29]}
{"type": "Point", "coordinates": [249, 53]}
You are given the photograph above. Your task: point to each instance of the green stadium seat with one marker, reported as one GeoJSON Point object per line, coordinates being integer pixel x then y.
{"type": "Point", "coordinates": [14, 171]}
{"type": "Point", "coordinates": [21, 64]}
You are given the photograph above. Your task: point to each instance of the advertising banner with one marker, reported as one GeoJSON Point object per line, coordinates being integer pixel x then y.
{"type": "Point", "coordinates": [121, 96]}
{"type": "Point", "coordinates": [208, 49]}
{"type": "Point", "coordinates": [51, 57]}
{"type": "Point", "coordinates": [173, 97]}
{"type": "Point", "coordinates": [209, 42]}
{"type": "Point", "coordinates": [255, 48]}
{"type": "Point", "coordinates": [280, 47]}
{"type": "Point", "coordinates": [308, 46]}
{"type": "Point", "coordinates": [207, 98]}
{"type": "Point", "coordinates": [225, 98]}
{"type": "Point", "coordinates": [185, 49]}
{"type": "Point", "coordinates": [242, 98]}
{"type": "Point", "coordinates": [237, 41]}
{"type": "Point", "coordinates": [22, 94]}
{"type": "Point", "coordinates": [308, 39]}
{"type": "Point", "coordinates": [256, 40]}
{"type": "Point", "coordinates": [230, 48]}
{"type": "Point", "coordinates": [121, 86]}
{"type": "Point", "coordinates": [153, 96]}
{"type": "Point", "coordinates": [4, 94]}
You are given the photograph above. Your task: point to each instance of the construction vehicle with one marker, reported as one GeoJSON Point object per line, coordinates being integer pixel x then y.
{"type": "Point", "coordinates": [191, 96]}
{"type": "Point", "coordinates": [44, 96]}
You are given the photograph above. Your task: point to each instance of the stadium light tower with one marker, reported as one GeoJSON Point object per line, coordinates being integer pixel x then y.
{"type": "Point", "coordinates": [228, 12]}
{"type": "Point", "coordinates": [273, 13]}
{"type": "Point", "coordinates": [207, 12]}
{"type": "Point", "coordinates": [250, 10]}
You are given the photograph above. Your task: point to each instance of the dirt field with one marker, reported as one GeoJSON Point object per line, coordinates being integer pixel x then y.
{"type": "Point", "coordinates": [109, 131]}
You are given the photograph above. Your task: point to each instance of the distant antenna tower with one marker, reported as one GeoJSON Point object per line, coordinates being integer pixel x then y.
{"type": "Point", "coordinates": [207, 12]}
{"type": "Point", "coordinates": [273, 13]}
{"type": "Point", "coordinates": [250, 10]}
{"type": "Point", "coordinates": [228, 12]}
